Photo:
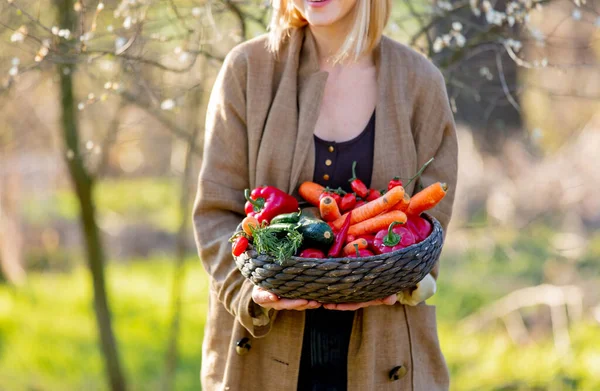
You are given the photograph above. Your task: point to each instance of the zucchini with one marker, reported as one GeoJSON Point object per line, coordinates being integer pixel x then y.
{"type": "Point", "coordinates": [286, 218]}
{"type": "Point", "coordinates": [316, 233]}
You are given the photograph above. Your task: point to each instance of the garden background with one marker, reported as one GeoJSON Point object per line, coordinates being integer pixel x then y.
{"type": "Point", "coordinates": [101, 110]}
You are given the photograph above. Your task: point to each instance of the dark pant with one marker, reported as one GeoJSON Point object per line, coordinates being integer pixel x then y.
{"type": "Point", "coordinates": [324, 361]}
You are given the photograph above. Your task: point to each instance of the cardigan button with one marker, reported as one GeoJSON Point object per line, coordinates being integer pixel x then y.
{"type": "Point", "coordinates": [328, 162]}
{"type": "Point", "coordinates": [398, 373]}
{"type": "Point", "coordinates": [243, 346]}
{"type": "Point", "coordinates": [331, 149]}
{"type": "Point", "coordinates": [326, 177]}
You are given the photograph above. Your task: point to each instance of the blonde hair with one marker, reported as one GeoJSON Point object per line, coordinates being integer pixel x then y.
{"type": "Point", "coordinates": [371, 17]}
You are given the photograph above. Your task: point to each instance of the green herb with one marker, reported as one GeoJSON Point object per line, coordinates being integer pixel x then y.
{"type": "Point", "coordinates": [279, 242]}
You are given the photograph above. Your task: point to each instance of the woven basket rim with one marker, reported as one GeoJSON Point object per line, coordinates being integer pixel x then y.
{"type": "Point", "coordinates": [375, 257]}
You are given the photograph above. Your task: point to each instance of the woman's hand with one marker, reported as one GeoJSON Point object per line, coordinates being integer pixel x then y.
{"type": "Point", "coordinates": [390, 300]}
{"type": "Point", "coordinates": [269, 300]}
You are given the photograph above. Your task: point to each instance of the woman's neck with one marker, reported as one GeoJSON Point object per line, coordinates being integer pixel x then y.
{"type": "Point", "coordinates": [329, 40]}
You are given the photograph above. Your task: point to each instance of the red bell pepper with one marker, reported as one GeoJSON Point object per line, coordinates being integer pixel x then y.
{"type": "Point", "coordinates": [348, 202]}
{"type": "Point", "coordinates": [340, 238]}
{"type": "Point", "coordinates": [395, 182]}
{"type": "Point", "coordinates": [373, 195]}
{"type": "Point", "coordinates": [392, 239]}
{"type": "Point", "coordinates": [312, 253]}
{"type": "Point", "coordinates": [266, 202]}
{"type": "Point", "coordinates": [239, 246]}
{"type": "Point", "coordinates": [419, 226]}
{"type": "Point", "coordinates": [357, 185]}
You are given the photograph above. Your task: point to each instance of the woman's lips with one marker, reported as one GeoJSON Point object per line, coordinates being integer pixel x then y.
{"type": "Point", "coordinates": [317, 3]}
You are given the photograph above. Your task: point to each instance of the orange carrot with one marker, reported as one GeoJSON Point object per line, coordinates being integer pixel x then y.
{"type": "Point", "coordinates": [403, 205]}
{"type": "Point", "coordinates": [426, 198]}
{"type": "Point", "coordinates": [377, 223]}
{"type": "Point", "coordinates": [250, 221]}
{"type": "Point", "coordinates": [350, 249]}
{"type": "Point", "coordinates": [329, 209]}
{"type": "Point", "coordinates": [373, 208]}
{"type": "Point", "coordinates": [311, 192]}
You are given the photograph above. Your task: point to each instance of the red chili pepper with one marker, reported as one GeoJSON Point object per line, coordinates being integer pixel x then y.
{"type": "Point", "coordinates": [357, 185]}
{"type": "Point", "coordinates": [395, 182]}
{"type": "Point", "coordinates": [348, 202]}
{"type": "Point", "coordinates": [312, 253]}
{"type": "Point", "coordinates": [340, 238]}
{"type": "Point", "coordinates": [266, 202]}
{"type": "Point", "coordinates": [392, 239]}
{"type": "Point", "coordinates": [419, 226]}
{"type": "Point", "coordinates": [373, 195]}
{"type": "Point", "coordinates": [239, 246]}
{"type": "Point", "coordinates": [350, 238]}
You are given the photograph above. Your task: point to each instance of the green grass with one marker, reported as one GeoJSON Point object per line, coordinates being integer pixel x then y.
{"type": "Point", "coordinates": [48, 337]}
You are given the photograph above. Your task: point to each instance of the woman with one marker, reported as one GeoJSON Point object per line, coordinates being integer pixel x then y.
{"type": "Point", "coordinates": [324, 88]}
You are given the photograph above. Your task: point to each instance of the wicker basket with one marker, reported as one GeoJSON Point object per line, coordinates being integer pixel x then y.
{"type": "Point", "coordinates": [344, 280]}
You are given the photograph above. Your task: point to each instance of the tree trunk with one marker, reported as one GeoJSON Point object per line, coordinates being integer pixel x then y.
{"type": "Point", "coordinates": [84, 185]}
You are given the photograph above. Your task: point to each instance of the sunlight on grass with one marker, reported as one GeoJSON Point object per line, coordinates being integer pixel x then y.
{"type": "Point", "coordinates": [48, 338]}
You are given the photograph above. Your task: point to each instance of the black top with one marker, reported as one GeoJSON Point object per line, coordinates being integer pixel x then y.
{"type": "Point", "coordinates": [323, 364]}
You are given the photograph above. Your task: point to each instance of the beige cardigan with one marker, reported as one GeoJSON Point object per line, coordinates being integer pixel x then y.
{"type": "Point", "coordinates": [259, 129]}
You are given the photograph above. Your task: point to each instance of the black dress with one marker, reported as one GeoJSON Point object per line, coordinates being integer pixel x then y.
{"type": "Point", "coordinates": [323, 363]}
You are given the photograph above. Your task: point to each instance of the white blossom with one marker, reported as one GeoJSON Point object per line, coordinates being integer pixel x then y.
{"type": "Point", "coordinates": [110, 28]}
{"type": "Point", "coordinates": [576, 15]}
{"type": "Point", "coordinates": [457, 26]}
{"type": "Point", "coordinates": [444, 5]}
{"type": "Point", "coordinates": [91, 96]}
{"type": "Point", "coordinates": [17, 36]}
{"type": "Point", "coordinates": [168, 104]}
{"type": "Point", "coordinates": [81, 106]}
{"type": "Point", "coordinates": [460, 40]}
{"type": "Point", "coordinates": [100, 6]}
{"type": "Point", "coordinates": [55, 30]}
{"type": "Point", "coordinates": [438, 45]}
{"type": "Point", "coordinates": [89, 145]}
{"type": "Point", "coordinates": [127, 23]}
{"type": "Point", "coordinates": [120, 42]}
{"type": "Point", "coordinates": [15, 61]}
{"type": "Point", "coordinates": [20, 34]}
{"type": "Point", "coordinates": [514, 44]}
{"type": "Point", "coordinates": [183, 57]}
{"type": "Point", "coordinates": [196, 12]}
{"type": "Point", "coordinates": [13, 71]}
{"type": "Point", "coordinates": [475, 7]}
{"type": "Point", "coordinates": [544, 62]}
{"type": "Point", "coordinates": [107, 85]}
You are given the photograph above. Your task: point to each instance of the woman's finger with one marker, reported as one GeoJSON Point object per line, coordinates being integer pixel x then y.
{"type": "Point", "coordinates": [289, 304]}
{"type": "Point", "coordinates": [263, 297]}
